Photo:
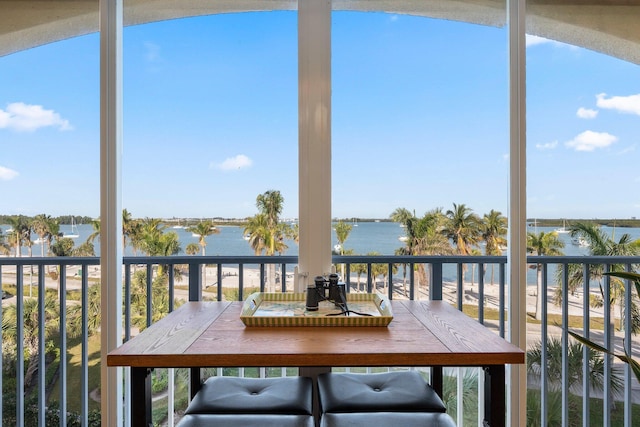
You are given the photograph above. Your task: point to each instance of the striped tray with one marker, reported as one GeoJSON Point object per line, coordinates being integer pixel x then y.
{"type": "Point", "coordinates": [288, 309]}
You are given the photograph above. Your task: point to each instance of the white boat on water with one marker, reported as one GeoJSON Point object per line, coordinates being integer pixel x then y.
{"type": "Point", "coordinates": [73, 234]}
{"type": "Point", "coordinates": [403, 238]}
{"type": "Point", "coordinates": [580, 241]}
{"type": "Point", "coordinates": [563, 229]}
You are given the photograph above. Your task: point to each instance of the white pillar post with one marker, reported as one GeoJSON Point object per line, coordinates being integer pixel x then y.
{"type": "Point", "coordinates": [314, 139]}
{"type": "Point", "coordinates": [517, 254]}
{"type": "Point", "coordinates": [110, 206]}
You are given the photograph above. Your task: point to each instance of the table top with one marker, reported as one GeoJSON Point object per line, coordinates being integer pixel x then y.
{"type": "Point", "coordinates": [422, 333]}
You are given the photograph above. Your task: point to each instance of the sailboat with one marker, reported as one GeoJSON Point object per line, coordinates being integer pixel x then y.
{"type": "Point", "coordinates": [564, 228]}
{"type": "Point", "coordinates": [74, 231]}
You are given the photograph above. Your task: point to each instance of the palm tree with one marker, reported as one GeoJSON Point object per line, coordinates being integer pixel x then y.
{"type": "Point", "coordinates": [54, 234]}
{"type": "Point", "coordinates": [574, 358]}
{"type": "Point", "coordinates": [30, 329]}
{"type": "Point", "coordinates": [127, 223]}
{"type": "Point", "coordinates": [376, 270]}
{"type": "Point", "coordinates": [95, 224]}
{"type": "Point", "coordinates": [400, 252]}
{"type": "Point", "coordinates": [94, 309]}
{"type": "Point", "coordinates": [469, 396]}
{"type": "Point", "coordinates": [342, 230]}
{"type": "Point", "coordinates": [293, 233]}
{"type": "Point", "coordinates": [84, 249]}
{"type": "Point", "coordinates": [20, 233]}
{"type": "Point", "coordinates": [360, 269]}
{"type": "Point", "coordinates": [555, 367]}
{"type": "Point", "coordinates": [494, 230]}
{"type": "Point", "coordinates": [63, 247]}
{"type": "Point", "coordinates": [384, 271]}
{"type": "Point", "coordinates": [427, 236]}
{"type": "Point", "coordinates": [600, 244]}
{"type": "Point", "coordinates": [192, 249]}
{"type": "Point", "coordinates": [155, 242]}
{"type": "Point", "coordinates": [406, 220]}
{"type": "Point", "coordinates": [41, 226]}
{"type": "Point", "coordinates": [463, 228]}
{"type": "Point", "coordinates": [402, 216]}
{"type": "Point", "coordinates": [132, 229]}
{"type": "Point", "coordinates": [265, 230]}
{"type": "Point", "coordinates": [258, 232]}
{"type": "Point", "coordinates": [202, 230]}
{"type": "Point", "coordinates": [270, 203]}
{"type": "Point", "coordinates": [342, 233]}
{"type": "Point", "coordinates": [543, 244]}
{"type": "Point", "coordinates": [475, 252]}
{"type": "Point", "coordinates": [159, 298]}
{"type": "Point", "coordinates": [150, 230]}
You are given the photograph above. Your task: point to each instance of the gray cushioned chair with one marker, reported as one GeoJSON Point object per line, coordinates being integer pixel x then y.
{"type": "Point", "coordinates": [244, 402]}
{"type": "Point", "coordinates": [397, 399]}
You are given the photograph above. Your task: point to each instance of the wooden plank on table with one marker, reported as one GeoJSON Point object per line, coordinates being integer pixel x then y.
{"type": "Point", "coordinates": [171, 335]}
{"type": "Point", "coordinates": [470, 341]}
{"type": "Point", "coordinates": [229, 343]}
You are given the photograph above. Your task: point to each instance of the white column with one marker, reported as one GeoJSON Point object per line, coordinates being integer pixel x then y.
{"type": "Point", "coordinates": [314, 139]}
{"type": "Point", "coordinates": [517, 255]}
{"type": "Point", "coordinates": [110, 206]}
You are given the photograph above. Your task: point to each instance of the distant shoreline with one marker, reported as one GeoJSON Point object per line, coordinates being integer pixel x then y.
{"type": "Point", "coordinates": [188, 221]}
{"type": "Point", "coordinates": [546, 222]}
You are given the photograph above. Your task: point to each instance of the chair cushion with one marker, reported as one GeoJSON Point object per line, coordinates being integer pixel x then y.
{"type": "Point", "coordinates": [387, 419]}
{"type": "Point", "coordinates": [403, 391]}
{"type": "Point", "coordinates": [245, 420]}
{"type": "Point", "coordinates": [231, 395]}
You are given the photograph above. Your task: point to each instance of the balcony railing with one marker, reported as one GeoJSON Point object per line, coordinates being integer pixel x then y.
{"type": "Point", "coordinates": [51, 356]}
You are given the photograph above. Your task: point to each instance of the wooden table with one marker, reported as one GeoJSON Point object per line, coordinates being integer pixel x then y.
{"type": "Point", "coordinates": [422, 333]}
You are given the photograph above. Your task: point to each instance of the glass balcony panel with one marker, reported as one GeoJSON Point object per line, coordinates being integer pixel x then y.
{"type": "Point", "coordinates": [581, 69]}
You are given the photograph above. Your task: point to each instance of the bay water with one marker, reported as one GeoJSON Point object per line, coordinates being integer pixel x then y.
{"type": "Point", "coordinates": [365, 238]}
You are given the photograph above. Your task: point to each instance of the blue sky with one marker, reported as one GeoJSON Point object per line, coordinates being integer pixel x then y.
{"type": "Point", "coordinates": [419, 116]}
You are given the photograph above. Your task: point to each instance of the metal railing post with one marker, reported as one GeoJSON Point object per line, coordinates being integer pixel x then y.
{"type": "Point", "coordinates": [195, 282]}
{"type": "Point", "coordinates": [435, 283]}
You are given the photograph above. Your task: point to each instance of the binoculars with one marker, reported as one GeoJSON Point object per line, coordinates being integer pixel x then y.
{"type": "Point", "coordinates": [318, 292]}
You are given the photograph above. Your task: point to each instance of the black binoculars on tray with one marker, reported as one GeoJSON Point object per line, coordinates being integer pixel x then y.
{"type": "Point", "coordinates": [331, 290]}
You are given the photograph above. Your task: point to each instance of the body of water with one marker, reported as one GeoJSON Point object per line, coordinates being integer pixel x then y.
{"type": "Point", "coordinates": [381, 237]}
{"type": "Point", "coordinates": [365, 237]}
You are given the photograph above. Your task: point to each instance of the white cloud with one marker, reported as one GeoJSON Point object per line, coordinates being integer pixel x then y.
{"type": "Point", "coordinates": [547, 146]}
{"type": "Point", "coordinates": [7, 174]}
{"type": "Point", "coordinates": [234, 163]}
{"type": "Point", "coordinates": [586, 113]}
{"type": "Point", "coordinates": [22, 117]}
{"type": "Point", "coordinates": [624, 104]}
{"type": "Point", "coordinates": [532, 40]}
{"type": "Point", "coordinates": [535, 40]}
{"type": "Point", "coordinates": [590, 140]}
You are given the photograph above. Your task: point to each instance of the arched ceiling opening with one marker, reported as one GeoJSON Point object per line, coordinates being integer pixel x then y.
{"type": "Point", "coordinates": [606, 26]}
